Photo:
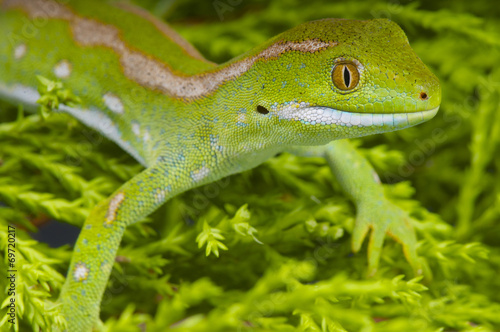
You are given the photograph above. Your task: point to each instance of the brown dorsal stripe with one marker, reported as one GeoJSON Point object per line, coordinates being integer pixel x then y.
{"type": "Point", "coordinates": [167, 31]}
{"type": "Point", "coordinates": [150, 72]}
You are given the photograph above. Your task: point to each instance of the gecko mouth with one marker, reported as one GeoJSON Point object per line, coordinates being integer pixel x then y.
{"type": "Point", "coordinates": [329, 116]}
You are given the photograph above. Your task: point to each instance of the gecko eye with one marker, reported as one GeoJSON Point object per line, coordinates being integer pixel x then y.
{"type": "Point", "coordinates": [345, 76]}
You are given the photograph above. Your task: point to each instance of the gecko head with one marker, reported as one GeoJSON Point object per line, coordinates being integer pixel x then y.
{"type": "Point", "coordinates": [335, 78]}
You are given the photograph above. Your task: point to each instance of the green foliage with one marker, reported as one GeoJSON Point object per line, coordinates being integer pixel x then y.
{"type": "Point", "coordinates": [286, 225]}
{"type": "Point", "coordinates": [35, 277]}
{"type": "Point", "coordinates": [211, 237]}
{"type": "Point", "coordinates": [52, 94]}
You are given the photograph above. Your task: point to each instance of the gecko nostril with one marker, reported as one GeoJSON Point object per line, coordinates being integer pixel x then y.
{"type": "Point", "coordinates": [423, 96]}
{"type": "Point", "coordinates": [262, 110]}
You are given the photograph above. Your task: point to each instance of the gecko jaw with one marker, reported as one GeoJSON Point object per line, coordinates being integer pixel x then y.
{"type": "Point", "coordinates": [329, 116]}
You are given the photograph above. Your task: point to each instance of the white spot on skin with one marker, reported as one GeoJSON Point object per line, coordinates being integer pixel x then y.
{"type": "Point", "coordinates": [214, 143]}
{"type": "Point", "coordinates": [200, 174]}
{"type": "Point", "coordinates": [20, 51]}
{"type": "Point", "coordinates": [136, 129]}
{"type": "Point", "coordinates": [113, 103]}
{"type": "Point", "coordinates": [113, 207]}
{"type": "Point", "coordinates": [146, 137]}
{"type": "Point", "coordinates": [63, 69]}
{"type": "Point", "coordinates": [242, 118]}
{"type": "Point", "coordinates": [160, 195]}
{"type": "Point", "coordinates": [80, 272]}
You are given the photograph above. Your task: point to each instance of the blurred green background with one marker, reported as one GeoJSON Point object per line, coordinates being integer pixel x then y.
{"type": "Point", "coordinates": [287, 224]}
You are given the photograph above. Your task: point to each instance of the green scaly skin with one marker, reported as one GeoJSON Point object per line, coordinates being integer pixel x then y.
{"type": "Point", "coordinates": [189, 137]}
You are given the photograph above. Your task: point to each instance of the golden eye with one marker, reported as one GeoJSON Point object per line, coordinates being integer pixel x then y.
{"type": "Point", "coordinates": [345, 76]}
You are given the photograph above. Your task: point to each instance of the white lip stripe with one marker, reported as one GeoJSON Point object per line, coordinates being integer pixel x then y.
{"type": "Point", "coordinates": [388, 119]}
{"type": "Point", "coordinates": [355, 119]}
{"type": "Point", "coordinates": [336, 115]}
{"type": "Point", "coordinates": [415, 117]}
{"type": "Point", "coordinates": [326, 116]}
{"type": "Point", "coordinates": [367, 120]}
{"type": "Point", "coordinates": [401, 119]}
{"type": "Point", "coordinates": [378, 119]}
{"type": "Point", "coordinates": [345, 118]}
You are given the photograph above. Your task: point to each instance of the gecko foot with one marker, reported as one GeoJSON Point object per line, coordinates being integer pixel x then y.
{"type": "Point", "coordinates": [384, 218]}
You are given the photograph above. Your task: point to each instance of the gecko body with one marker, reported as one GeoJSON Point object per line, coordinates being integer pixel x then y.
{"type": "Point", "coordinates": [191, 122]}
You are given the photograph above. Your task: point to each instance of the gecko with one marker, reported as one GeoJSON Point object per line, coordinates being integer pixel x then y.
{"type": "Point", "coordinates": [190, 121]}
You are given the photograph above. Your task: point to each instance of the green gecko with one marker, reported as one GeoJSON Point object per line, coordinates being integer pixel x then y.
{"type": "Point", "coordinates": [191, 122]}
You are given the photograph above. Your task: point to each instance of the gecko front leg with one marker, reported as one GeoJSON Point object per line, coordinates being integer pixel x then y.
{"type": "Point", "coordinates": [374, 211]}
{"type": "Point", "coordinates": [100, 237]}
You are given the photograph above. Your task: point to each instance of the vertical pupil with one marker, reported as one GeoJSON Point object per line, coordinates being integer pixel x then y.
{"type": "Point", "coordinates": [347, 77]}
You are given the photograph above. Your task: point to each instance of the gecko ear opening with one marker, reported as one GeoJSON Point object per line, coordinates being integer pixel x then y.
{"type": "Point", "coordinates": [262, 110]}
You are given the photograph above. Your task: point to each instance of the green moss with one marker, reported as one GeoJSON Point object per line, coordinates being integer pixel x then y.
{"type": "Point", "coordinates": [286, 224]}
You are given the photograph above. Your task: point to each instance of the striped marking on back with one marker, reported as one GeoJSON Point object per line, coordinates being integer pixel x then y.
{"type": "Point", "coordinates": [167, 31]}
{"type": "Point", "coordinates": [150, 72]}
